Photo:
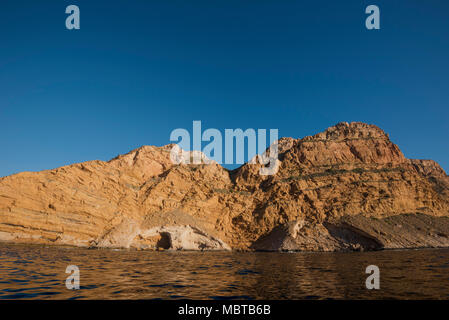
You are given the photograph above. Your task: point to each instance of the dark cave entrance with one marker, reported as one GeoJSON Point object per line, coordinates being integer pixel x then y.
{"type": "Point", "coordinates": [164, 242]}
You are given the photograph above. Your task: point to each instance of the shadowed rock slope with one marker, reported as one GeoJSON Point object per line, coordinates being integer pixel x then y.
{"type": "Point", "coordinates": [347, 188]}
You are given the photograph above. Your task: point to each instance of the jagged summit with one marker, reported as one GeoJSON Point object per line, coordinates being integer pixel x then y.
{"type": "Point", "coordinates": [347, 143]}
{"type": "Point", "coordinates": [145, 161]}
{"type": "Point", "coordinates": [353, 130]}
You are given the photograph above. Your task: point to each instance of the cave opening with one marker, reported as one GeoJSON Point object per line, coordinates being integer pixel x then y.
{"type": "Point", "coordinates": [164, 242]}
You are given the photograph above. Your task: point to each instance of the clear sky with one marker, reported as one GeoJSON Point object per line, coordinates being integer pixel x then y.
{"type": "Point", "coordinates": [138, 69]}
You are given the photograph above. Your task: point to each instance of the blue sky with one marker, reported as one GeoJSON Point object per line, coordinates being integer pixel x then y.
{"type": "Point", "coordinates": [138, 69]}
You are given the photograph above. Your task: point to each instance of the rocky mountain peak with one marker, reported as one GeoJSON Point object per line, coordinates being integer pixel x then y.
{"type": "Point", "coordinates": [353, 130]}
{"type": "Point", "coordinates": [346, 144]}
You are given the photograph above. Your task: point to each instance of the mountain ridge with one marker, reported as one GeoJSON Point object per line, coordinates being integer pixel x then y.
{"type": "Point", "coordinates": [340, 189]}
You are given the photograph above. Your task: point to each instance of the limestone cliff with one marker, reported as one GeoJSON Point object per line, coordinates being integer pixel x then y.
{"type": "Point", "coordinates": [347, 188]}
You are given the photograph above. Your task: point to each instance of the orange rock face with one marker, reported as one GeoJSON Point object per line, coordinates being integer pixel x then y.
{"type": "Point", "coordinates": [347, 188]}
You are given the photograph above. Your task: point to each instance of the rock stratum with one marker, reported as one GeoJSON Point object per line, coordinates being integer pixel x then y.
{"type": "Point", "coordinates": [347, 188]}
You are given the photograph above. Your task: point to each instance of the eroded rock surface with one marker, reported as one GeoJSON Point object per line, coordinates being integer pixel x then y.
{"type": "Point", "coordinates": [347, 188]}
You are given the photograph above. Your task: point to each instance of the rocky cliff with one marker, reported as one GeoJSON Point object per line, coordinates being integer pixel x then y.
{"type": "Point", "coordinates": [347, 188]}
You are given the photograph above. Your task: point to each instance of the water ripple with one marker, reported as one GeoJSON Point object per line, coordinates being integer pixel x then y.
{"type": "Point", "coordinates": [38, 272]}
